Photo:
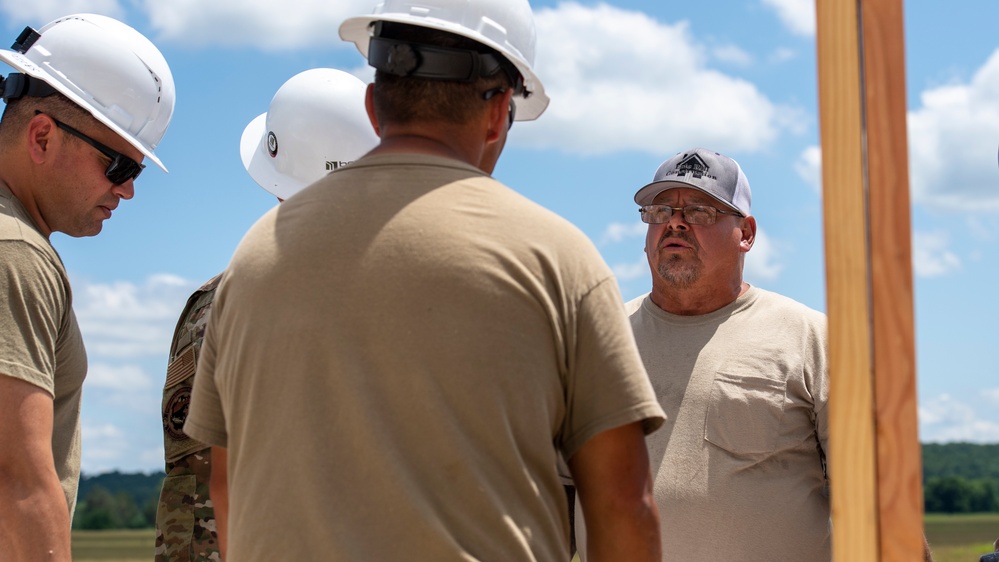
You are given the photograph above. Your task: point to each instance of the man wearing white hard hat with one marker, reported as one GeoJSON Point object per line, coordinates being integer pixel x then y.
{"type": "Point", "coordinates": [315, 124]}
{"type": "Point", "coordinates": [90, 100]}
{"type": "Point", "coordinates": [419, 341]}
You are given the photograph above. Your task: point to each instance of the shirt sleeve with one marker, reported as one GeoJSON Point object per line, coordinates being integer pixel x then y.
{"type": "Point", "coordinates": [607, 385]}
{"type": "Point", "coordinates": [36, 305]}
{"type": "Point", "coordinates": [206, 419]}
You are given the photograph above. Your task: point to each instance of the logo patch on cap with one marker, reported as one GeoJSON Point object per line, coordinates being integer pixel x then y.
{"type": "Point", "coordinates": [692, 165]}
{"type": "Point", "coordinates": [272, 144]}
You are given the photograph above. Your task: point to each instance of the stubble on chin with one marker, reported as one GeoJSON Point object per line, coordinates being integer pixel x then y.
{"type": "Point", "coordinates": [679, 273]}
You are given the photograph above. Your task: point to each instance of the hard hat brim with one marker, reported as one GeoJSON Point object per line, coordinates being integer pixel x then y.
{"type": "Point", "coordinates": [256, 160]}
{"type": "Point", "coordinates": [23, 64]}
{"type": "Point", "coordinates": [356, 30]}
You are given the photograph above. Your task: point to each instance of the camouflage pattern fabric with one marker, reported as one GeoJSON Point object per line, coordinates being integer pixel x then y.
{"type": "Point", "coordinates": [185, 520]}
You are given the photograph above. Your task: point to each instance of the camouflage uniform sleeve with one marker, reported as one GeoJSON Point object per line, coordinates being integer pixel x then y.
{"type": "Point", "coordinates": [185, 520]}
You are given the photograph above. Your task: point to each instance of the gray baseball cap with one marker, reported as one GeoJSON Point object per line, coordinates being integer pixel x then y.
{"type": "Point", "coordinates": [704, 170]}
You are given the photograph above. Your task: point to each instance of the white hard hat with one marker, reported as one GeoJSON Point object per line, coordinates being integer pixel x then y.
{"type": "Point", "coordinates": [504, 25]}
{"type": "Point", "coordinates": [105, 67]}
{"type": "Point", "coordinates": [316, 123]}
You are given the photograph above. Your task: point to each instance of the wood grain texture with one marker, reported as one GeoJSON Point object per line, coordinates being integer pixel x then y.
{"type": "Point", "coordinates": [899, 466]}
{"type": "Point", "coordinates": [852, 458]}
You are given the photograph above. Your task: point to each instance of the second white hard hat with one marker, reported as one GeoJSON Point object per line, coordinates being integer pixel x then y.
{"type": "Point", "coordinates": [108, 69]}
{"type": "Point", "coordinates": [315, 124]}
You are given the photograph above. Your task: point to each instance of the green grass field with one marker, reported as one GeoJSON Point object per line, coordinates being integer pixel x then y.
{"type": "Point", "coordinates": [961, 538]}
{"type": "Point", "coordinates": [114, 546]}
{"type": "Point", "coordinates": [953, 538]}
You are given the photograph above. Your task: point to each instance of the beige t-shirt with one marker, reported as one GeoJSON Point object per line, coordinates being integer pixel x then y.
{"type": "Point", "coordinates": [41, 341]}
{"type": "Point", "coordinates": [395, 358]}
{"type": "Point", "coordinates": [739, 465]}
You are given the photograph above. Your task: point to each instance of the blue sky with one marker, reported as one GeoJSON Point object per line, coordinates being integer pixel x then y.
{"type": "Point", "coordinates": [632, 82]}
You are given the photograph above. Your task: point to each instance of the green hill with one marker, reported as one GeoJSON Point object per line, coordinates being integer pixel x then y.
{"type": "Point", "coordinates": [970, 461]}
{"type": "Point", "coordinates": [118, 500]}
{"type": "Point", "coordinates": [139, 486]}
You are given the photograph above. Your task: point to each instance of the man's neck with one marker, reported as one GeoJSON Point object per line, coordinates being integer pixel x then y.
{"type": "Point", "coordinates": [15, 182]}
{"type": "Point", "coordinates": [453, 143]}
{"type": "Point", "coordinates": [697, 300]}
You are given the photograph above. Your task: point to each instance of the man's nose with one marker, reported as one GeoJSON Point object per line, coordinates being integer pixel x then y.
{"type": "Point", "coordinates": [124, 190]}
{"type": "Point", "coordinates": [676, 221]}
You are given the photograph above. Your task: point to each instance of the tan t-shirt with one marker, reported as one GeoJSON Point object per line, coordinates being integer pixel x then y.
{"type": "Point", "coordinates": [41, 341]}
{"type": "Point", "coordinates": [739, 465]}
{"type": "Point", "coordinates": [395, 358]}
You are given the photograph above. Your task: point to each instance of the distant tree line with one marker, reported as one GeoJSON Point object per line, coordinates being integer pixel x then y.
{"type": "Point", "coordinates": [954, 494]}
{"type": "Point", "coordinates": [117, 500]}
{"type": "Point", "coordinates": [957, 478]}
{"type": "Point", "coordinates": [960, 477]}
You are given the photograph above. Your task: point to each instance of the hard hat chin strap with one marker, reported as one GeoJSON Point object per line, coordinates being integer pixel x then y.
{"type": "Point", "coordinates": [17, 85]}
{"type": "Point", "coordinates": [402, 58]}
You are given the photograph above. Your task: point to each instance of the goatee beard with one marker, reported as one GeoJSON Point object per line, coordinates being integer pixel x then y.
{"type": "Point", "coordinates": [677, 273]}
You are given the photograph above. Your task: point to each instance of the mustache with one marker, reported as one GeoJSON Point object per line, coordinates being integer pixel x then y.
{"type": "Point", "coordinates": [679, 235]}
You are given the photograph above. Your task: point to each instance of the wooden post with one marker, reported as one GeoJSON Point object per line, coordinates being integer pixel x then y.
{"type": "Point", "coordinates": [874, 449]}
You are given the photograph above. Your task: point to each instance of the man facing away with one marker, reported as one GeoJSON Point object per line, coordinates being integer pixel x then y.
{"type": "Point", "coordinates": [741, 373]}
{"type": "Point", "coordinates": [419, 341]}
{"type": "Point", "coordinates": [91, 98]}
{"type": "Point", "coordinates": [315, 123]}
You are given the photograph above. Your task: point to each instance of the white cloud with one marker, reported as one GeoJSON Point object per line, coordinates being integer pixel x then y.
{"type": "Point", "coordinates": [732, 55]}
{"type": "Point", "coordinates": [809, 167]}
{"type": "Point", "coordinates": [105, 448]}
{"type": "Point", "coordinates": [944, 419]}
{"type": "Point", "coordinates": [616, 232]}
{"type": "Point", "coordinates": [798, 16]}
{"type": "Point", "coordinates": [992, 395]}
{"type": "Point", "coordinates": [117, 377]}
{"type": "Point", "coordinates": [102, 431]}
{"type": "Point", "coordinates": [631, 271]}
{"type": "Point", "coordinates": [983, 229]}
{"type": "Point", "coordinates": [289, 24]}
{"type": "Point", "coordinates": [762, 261]}
{"type": "Point", "coordinates": [122, 319]}
{"type": "Point", "coordinates": [611, 93]}
{"type": "Point", "coordinates": [930, 256]}
{"type": "Point", "coordinates": [40, 12]}
{"type": "Point", "coordinates": [952, 143]}
{"type": "Point", "coordinates": [782, 55]}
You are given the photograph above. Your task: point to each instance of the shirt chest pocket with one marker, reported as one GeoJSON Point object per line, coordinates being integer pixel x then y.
{"type": "Point", "coordinates": [744, 413]}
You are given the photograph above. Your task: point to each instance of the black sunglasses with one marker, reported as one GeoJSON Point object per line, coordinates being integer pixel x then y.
{"type": "Point", "coordinates": [120, 170]}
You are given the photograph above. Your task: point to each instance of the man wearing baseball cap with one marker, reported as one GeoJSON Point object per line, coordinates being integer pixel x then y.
{"type": "Point", "coordinates": [741, 373]}
{"type": "Point", "coordinates": [419, 341]}
{"type": "Point", "coordinates": [90, 100]}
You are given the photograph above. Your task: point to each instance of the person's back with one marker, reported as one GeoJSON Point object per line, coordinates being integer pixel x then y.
{"type": "Point", "coordinates": [432, 341]}
{"type": "Point", "coordinates": [450, 372]}
{"type": "Point", "coordinates": [314, 121]}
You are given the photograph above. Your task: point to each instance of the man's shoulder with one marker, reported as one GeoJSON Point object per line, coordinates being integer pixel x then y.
{"type": "Point", "coordinates": [17, 227]}
{"type": "Point", "coordinates": [210, 285]}
{"type": "Point", "coordinates": [633, 306]}
{"type": "Point", "coordinates": [788, 306]}
{"type": "Point", "coordinates": [26, 251]}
